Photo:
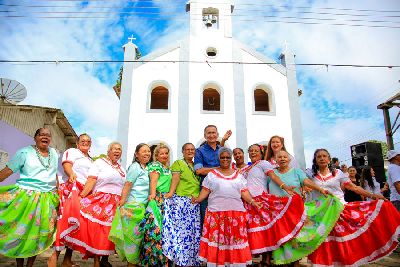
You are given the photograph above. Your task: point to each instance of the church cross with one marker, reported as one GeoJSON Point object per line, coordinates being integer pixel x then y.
{"type": "Point", "coordinates": [131, 38]}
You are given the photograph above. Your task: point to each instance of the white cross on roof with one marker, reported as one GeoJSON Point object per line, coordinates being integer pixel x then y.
{"type": "Point", "coordinates": [131, 38]}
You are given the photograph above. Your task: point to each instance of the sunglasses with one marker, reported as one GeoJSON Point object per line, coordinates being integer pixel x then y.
{"type": "Point", "coordinates": [225, 158]}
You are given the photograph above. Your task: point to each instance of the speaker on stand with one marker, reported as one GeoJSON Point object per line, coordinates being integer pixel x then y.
{"type": "Point", "coordinates": [369, 154]}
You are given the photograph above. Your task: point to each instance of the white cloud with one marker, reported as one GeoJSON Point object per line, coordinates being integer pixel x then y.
{"type": "Point", "coordinates": [84, 91]}
{"type": "Point", "coordinates": [345, 97]}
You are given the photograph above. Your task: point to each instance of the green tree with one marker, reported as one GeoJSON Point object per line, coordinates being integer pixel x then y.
{"type": "Point", "coordinates": [383, 145]}
{"type": "Point", "coordinates": [117, 86]}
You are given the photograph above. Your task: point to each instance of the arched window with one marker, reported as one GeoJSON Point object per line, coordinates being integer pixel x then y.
{"type": "Point", "coordinates": [159, 98]}
{"type": "Point", "coordinates": [261, 100]}
{"type": "Point", "coordinates": [211, 100]}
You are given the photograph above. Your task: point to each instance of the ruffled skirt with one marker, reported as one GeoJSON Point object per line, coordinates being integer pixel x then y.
{"type": "Point", "coordinates": [366, 231]}
{"type": "Point", "coordinates": [224, 241]}
{"type": "Point", "coordinates": [125, 231]}
{"type": "Point", "coordinates": [88, 231]}
{"type": "Point", "coordinates": [65, 191]}
{"type": "Point", "coordinates": [322, 215]}
{"type": "Point", "coordinates": [276, 222]}
{"type": "Point", "coordinates": [27, 221]}
{"type": "Point", "coordinates": [181, 231]}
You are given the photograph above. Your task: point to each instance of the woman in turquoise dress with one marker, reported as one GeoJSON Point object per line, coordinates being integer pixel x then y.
{"type": "Point", "coordinates": [151, 225]}
{"type": "Point", "coordinates": [28, 208]}
{"type": "Point", "coordinates": [321, 213]}
{"type": "Point", "coordinates": [181, 231]}
{"type": "Point", "coordinates": [125, 227]}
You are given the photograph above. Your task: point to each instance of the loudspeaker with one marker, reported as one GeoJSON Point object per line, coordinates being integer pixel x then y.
{"type": "Point", "coordinates": [369, 154]}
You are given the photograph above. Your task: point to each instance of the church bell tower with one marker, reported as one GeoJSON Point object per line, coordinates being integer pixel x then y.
{"type": "Point", "coordinates": [210, 17]}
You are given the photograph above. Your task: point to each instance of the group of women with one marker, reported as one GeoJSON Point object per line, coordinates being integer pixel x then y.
{"type": "Point", "coordinates": [149, 214]}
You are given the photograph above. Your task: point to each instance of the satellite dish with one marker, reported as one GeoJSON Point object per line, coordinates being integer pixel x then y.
{"type": "Point", "coordinates": [11, 91]}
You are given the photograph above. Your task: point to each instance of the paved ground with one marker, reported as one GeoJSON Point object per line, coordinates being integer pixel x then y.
{"type": "Point", "coordinates": [391, 261]}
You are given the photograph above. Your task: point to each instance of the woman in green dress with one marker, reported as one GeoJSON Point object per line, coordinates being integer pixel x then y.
{"type": "Point", "coordinates": [28, 208]}
{"type": "Point", "coordinates": [322, 213]}
{"type": "Point", "coordinates": [125, 227]}
{"type": "Point", "coordinates": [151, 225]}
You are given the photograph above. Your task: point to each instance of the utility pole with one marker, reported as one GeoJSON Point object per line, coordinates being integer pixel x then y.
{"type": "Point", "coordinates": [389, 129]}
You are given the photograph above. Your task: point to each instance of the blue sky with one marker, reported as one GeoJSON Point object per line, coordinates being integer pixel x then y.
{"type": "Point", "coordinates": [338, 104]}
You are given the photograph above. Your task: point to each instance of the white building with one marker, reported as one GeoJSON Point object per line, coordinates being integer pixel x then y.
{"type": "Point", "coordinates": [172, 102]}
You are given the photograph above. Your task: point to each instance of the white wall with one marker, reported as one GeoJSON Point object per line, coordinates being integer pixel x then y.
{"type": "Point", "coordinates": [260, 127]}
{"type": "Point", "coordinates": [200, 75]}
{"type": "Point", "coordinates": [147, 125]}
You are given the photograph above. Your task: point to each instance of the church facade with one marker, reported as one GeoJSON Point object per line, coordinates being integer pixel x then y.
{"type": "Point", "coordinates": [209, 77]}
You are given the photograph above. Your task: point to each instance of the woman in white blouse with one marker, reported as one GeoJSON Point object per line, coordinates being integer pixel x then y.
{"type": "Point", "coordinates": [376, 223]}
{"type": "Point", "coordinates": [89, 231]}
{"type": "Point", "coordinates": [224, 241]}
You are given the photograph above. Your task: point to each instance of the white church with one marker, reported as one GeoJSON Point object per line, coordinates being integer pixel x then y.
{"type": "Point", "coordinates": [170, 95]}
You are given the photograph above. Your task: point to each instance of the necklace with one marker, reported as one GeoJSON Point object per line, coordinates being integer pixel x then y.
{"type": "Point", "coordinates": [41, 158]}
{"type": "Point", "coordinates": [189, 165]}
{"type": "Point", "coordinates": [117, 167]}
{"type": "Point", "coordinates": [323, 177]}
{"type": "Point", "coordinates": [195, 176]}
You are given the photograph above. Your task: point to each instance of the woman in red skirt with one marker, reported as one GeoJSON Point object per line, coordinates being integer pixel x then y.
{"type": "Point", "coordinates": [90, 227]}
{"type": "Point", "coordinates": [280, 218]}
{"type": "Point", "coordinates": [76, 163]}
{"type": "Point", "coordinates": [224, 239]}
{"type": "Point", "coordinates": [367, 229]}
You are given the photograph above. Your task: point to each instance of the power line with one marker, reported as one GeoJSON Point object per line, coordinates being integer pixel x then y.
{"type": "Point", "coordinates": [175, 6]}
{"type": "Point", "coordinates": [183, 3]}
{"type": "Point", "coordinates": [177, 13]}
{"type": "Point", "coordinates": [174, 13]}
{"type": "Point", "coordinates": [241, 20]}
{"type": "Point", "coordinates": [198, 61]}
{"type": "Point", "coordinates": [281, 19]}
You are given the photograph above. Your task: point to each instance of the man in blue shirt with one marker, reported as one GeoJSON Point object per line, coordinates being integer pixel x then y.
{"type": "Point", "coordinates": [206, 158]}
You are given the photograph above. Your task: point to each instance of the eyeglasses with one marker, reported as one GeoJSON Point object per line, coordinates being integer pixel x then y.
{"type": "Point", "coordinates": [225, 158]}
{"type": "Point", "coordinates": [190, 149]}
